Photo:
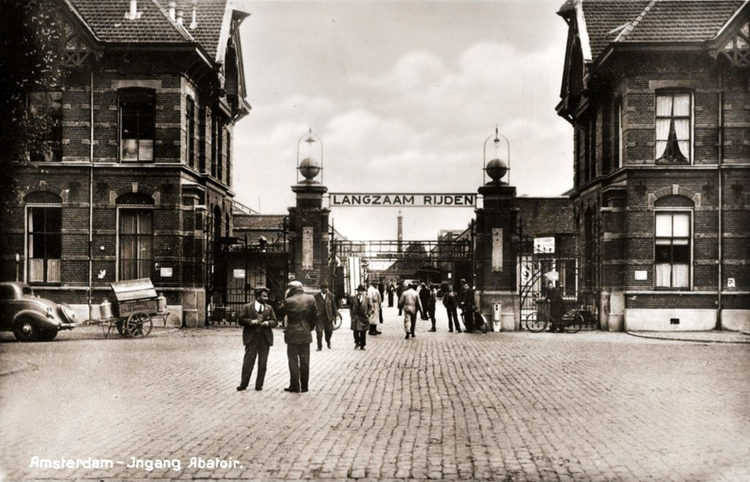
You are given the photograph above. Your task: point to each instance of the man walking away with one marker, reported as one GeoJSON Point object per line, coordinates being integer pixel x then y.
{"type": "Point", "coordinates": [327, 313]}
{"type": "Point", "coordinates": [411, 305]}
{"type": "Point", "coordinates": [424, 297]}
{"type": "Point", "coordinates": [399, 291]}
{"type": "Point", "coordinates": [359, 309]}
{"type": "Point", "coordinates": [302, 316]}
{"type": "Point", "coordinates": [451, 305]}
{"type": "Point", "coordinates": [258, 319]}
{"type": "Point", "coordinates": [431, 306]}
{"type": "Point", "coordinates": [373, 296]}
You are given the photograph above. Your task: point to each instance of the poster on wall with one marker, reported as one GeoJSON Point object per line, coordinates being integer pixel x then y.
{"type": "Point", "coordinates": [307, 247]}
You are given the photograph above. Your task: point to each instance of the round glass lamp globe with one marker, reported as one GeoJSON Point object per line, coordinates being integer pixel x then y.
{"type": "Point", "coordinates": [496, 169]}
{"type": "Point", "coordinates": [309, 167]}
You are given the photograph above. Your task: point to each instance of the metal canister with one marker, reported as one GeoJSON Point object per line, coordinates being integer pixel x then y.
{"type": "Point", "coordinates": [161, 303]}
{"type": "Point", "coordinates": [105, 309]}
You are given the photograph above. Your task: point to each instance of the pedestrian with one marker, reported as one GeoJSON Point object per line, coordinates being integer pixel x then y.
{"type": "Point", "coordinates": [359, 310]}
{"type": "Point", "coordinates": [327, 313]}
{"type": "Point", "coordinates": [424, 297]}
{"type": "Point", "coordinates": [466, 303]}
{"type": "Point", "coordinates": [451, 305]}
{"type": "Point", "coordinates": [373, 297]}
{"type": "Point", "coordinates": [302, 316]}
{"type": "Point", "coordinates": [381, 290]}
{"type": "Point", "coordinates": [399, 291]}
{"type": "Point", "coordinates": [431, 304]}
{"type": "Point", "coordinates": [391, 289]}
{"type": "Point", "coordinates": [556, 308]}
{"type": "Point", "coordinates": [258, 319]}
{"type": "Point", "coordinates": [410, 303]}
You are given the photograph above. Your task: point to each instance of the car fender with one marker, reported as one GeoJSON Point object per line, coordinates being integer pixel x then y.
{"type": "Point", "coordinates": [42, 320]}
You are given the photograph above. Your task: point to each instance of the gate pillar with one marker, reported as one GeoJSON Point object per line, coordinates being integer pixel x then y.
{"type": "Point", "coordinates": [309, 244]}
{"type": "Point", "coordinates": [495, 258]}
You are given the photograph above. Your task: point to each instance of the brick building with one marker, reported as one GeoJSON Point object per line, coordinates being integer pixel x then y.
{"type": "Point", "coordinates": [657, 92]}
{"type": "Point", "coordinates": [139, 181]}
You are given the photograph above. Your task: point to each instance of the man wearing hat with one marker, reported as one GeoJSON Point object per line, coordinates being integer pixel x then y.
{"type": "Point", "coordinates": [327, 313]}
{"type": "Point", "coordinates": [360, 311]}
{"type": "Point", "coordinates": [301, 317]}
{"type": "Point", "coordinates": [258, 319]}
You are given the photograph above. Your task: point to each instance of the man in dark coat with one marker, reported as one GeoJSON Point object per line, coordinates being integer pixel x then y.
{"type": "Point", "coordinates": [399, 291]}
{"type": "Point", "coordinates": [360, 310]}
{"type": "Point", "coordinates": [258, 319]}
{"type": "Point", "coordinates": [424, 298]}
{"type": "Point", "coordinates": [466, 302]}
{"type": "Point", "coordinates": [556, 308]}
{"type": "Point", "coordinates": [302, 316]}
{"type": "Point", "coordinates": [327, 313]}
{"type": "Point", "coordinates": [451, 304]}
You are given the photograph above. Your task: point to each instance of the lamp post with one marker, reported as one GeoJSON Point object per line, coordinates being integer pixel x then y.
{"type": "Point", "coordinates": [496, 143]}
{"type": "Point", "coordinates": [309, 166]}
{"type": "Point", "coordinates": [18, 260]}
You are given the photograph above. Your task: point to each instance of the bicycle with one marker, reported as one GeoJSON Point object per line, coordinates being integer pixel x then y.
{"type": "Point", "coordinates": [572, 321]}
{"type": "Point", "coordinates": [478, 322]}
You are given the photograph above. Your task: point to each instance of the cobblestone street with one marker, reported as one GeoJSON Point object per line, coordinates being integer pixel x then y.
{"type": "Point", "coordinates": [502, 406]}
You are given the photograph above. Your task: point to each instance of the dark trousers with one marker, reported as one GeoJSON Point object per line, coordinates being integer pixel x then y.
{"type": "Point", "coordinates": [453, 318]}
{"type": "Point", "coordinates": [299, 365]}
{"type": "Point", "coordinates": [323, 328]}
{"type": "Point", "coordinates": [390, 300]}
{"type": "Point", "coordinates": [431, 313]}
{"type": "Point", "coordinates": [360, 338]}
{"type": "Point", "coordinates": [258, 347]}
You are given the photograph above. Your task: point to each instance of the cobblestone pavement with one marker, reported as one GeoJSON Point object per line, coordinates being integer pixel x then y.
{"type": "Point", "coordinates": [591, 406]}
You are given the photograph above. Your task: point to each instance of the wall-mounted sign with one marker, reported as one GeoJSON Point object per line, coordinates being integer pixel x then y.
{"type": "Point", "coordinates": [731, 283]}
{"type": "Point", "coordinates": [238, 273]}
{"type": "Point", "coordinates": [165, 272]}
{"type": "Point", "coordinates": [544, 245]}
{"type": "Point", "coordinates": [641, 275]}
{"type": "Point", "coordinates": [429, 200]}
{"type": "Point", "coordinates": [307, 247]}
{"type": "Point", "coordinates": [552, 275]}
{"type": "Point", "coordinates": [497, 249]}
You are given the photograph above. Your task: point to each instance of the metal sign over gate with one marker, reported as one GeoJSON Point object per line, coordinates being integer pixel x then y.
{"type": "Point", "coordinates": [429, 200]}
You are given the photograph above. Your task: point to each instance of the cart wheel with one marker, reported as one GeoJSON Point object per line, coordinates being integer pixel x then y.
{"type": "Point", "coordinates": [536, 322]}
{"type": "Point", "coordinates": [138, 325]}
{"type": "Point", "coordinates": [575, 324]}
{"type": "Point", "coordinates": [337, 321]}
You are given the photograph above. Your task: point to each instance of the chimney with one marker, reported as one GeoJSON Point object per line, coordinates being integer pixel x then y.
{"type": "Point", "coordinates": [133, 10]}
{"type": "Point", "coordinates": [180, 14]}
{"type": "Point", "coordinates": [194, 22]}
{"type": "Point", "coordinates": [172, 6]}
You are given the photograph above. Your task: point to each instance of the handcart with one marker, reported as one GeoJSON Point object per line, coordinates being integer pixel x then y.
{"type": "Point", "coordinates": [136, 305]}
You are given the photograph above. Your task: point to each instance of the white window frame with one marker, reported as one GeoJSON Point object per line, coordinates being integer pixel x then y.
{"type": "Point", "coordinates": [691, 265]}
{"type": "Point", "coordinates": [673, 92]}
{"type": "Point", "coordinates": [27, 209]}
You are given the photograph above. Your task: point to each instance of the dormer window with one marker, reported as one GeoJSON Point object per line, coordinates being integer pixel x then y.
{"type": "Point", "coordinates": [673, 127]}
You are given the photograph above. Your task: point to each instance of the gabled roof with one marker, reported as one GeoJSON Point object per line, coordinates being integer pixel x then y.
{"type": "Point", "coordinates": [108, 21]}
{"type": "Point", "coordinates": [609, 22]}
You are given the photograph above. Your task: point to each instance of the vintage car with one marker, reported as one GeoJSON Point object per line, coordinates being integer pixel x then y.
{"type": "Point", "coordinates": [31, 318]}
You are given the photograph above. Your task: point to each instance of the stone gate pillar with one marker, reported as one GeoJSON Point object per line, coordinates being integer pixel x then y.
{"type": "Point", "coordinates": [495, 257]}
{"type": "Point", "coordinates": [308, 225]}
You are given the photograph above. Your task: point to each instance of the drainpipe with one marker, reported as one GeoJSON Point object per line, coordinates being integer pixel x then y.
{"type": "Point", "coordinates": [91, 195]}
{"type": "Point", "coordinates": [721, 202]}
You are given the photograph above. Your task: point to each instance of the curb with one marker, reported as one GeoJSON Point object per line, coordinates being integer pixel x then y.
{"type": "Point", "coordinates": [691, 340]}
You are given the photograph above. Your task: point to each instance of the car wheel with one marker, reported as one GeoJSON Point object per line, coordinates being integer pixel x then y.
{"type": "Point", "coordinates": [25, 330]}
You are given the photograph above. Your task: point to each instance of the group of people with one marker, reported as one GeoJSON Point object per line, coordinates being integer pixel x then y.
{"type": "Point", "coordinates": [304, 314]}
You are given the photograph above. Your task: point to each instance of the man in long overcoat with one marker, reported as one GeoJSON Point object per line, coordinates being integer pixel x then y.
{"type": "Point", "coordinates": [258, 320]}
{"type": "Point", "coordinates": [327, 313]}
{"type": "Point", "coordinates": [360, 309]}
{"type": "Point", "coordinates": [302, 315]}
{"type": "Point", "coordinates": [376, 301]}
{"type": "Point", "coordinates": [424, 297]}
{"type": "Point", "coordinates": [411, 305]}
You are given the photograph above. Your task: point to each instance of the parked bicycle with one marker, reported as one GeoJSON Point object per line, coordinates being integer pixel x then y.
{"type": "Point", "coordinates": [572, 321]}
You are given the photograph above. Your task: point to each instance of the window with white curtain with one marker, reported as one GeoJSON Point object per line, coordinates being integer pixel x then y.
{"type": "Point", "coordinates": [44, 244]}
{"type": "Point", "coordinates": [673, 127]}
{"type": "Point", "coordinates": [137, 124]}
{"type": "Point", "coordinates": [672, 250]}
{"type": "Point", "coordinates": [136, 233]}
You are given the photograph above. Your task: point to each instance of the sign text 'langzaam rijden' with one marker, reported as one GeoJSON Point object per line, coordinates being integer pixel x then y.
{"type": "Point", "coordinates": [347, 199]}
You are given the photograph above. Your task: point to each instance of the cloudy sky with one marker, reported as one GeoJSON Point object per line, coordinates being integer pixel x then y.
{"type": "Point", "coordinates": [403, 95]}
